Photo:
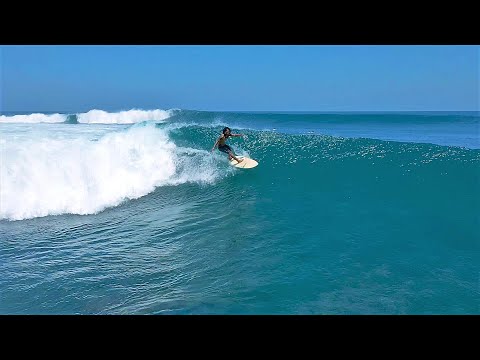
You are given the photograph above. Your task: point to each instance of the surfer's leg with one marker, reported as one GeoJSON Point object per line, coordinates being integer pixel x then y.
{"type": "Point", "coordinates": [230, 156]}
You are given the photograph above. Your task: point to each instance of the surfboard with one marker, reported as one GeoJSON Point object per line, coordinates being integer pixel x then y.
{"type": "Point", "coordinates": [247, 163]}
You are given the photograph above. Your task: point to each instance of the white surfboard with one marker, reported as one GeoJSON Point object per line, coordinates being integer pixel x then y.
{"type": "Point", "coordinates": [247, 163]}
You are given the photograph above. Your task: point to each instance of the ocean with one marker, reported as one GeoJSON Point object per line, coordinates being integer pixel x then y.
{"type": "Point", "coordinates": [347, 213]}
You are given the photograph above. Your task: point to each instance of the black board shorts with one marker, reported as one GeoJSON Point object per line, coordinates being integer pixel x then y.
{"type": "Point", "coordinates": [225, 148]}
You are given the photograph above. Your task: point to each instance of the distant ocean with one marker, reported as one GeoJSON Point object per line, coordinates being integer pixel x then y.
{"type": "Point", "coordinates": [347, 213]}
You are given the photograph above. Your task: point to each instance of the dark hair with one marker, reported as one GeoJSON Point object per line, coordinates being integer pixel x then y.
{"type": "Point", "coordinates": [225, 129]}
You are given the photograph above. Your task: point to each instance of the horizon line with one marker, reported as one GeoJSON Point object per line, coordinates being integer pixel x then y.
{"type": "Point", "coordinates": [238, 111]}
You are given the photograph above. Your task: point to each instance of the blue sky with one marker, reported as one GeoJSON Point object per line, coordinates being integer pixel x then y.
{"type": "Point", "coordinates": [257, 78]}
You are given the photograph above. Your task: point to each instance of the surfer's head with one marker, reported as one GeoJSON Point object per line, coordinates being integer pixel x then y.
{"type": "Point", "coordinates": [226, 131]}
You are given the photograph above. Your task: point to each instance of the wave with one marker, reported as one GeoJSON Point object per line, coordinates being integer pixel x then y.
{"type": "Point", "coordinates": [52, 176]}
{"type": "Point", "coordinates": [93, 117]}
{"type": "Point", "coordinates": [84, 170]}
{"type": "Point", "coordinates": [274, 149]}
{"type": "Point", "coordinates": [123, 117]}
{"type": "Point", "coordinates": [34, 118]}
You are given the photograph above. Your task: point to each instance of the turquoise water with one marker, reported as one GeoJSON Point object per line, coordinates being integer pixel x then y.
{"type": "Point", "coordinates": [345, 214]}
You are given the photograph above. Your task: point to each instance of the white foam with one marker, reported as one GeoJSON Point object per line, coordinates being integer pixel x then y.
{"type": "Point", "coordinates": [51, 176]}
{"type": "Point", "coordinates": [93, 117]}
{"type": "Point", "coordinates": [34, 118]}
{"type": "Point", "coordinates": [122, 117]}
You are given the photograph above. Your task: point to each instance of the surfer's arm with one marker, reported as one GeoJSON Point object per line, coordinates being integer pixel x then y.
{"type": "Point", "coordinates": [236, 135]}
{"type": "Point", "coordinates": [216, 143]}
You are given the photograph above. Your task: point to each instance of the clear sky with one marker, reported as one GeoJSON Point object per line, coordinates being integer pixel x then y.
{"type": "Point", "coordinates": [257, 78]}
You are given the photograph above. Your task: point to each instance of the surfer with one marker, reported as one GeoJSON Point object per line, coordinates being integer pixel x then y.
{"type": "Point", "coordinates": [226, 133]}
